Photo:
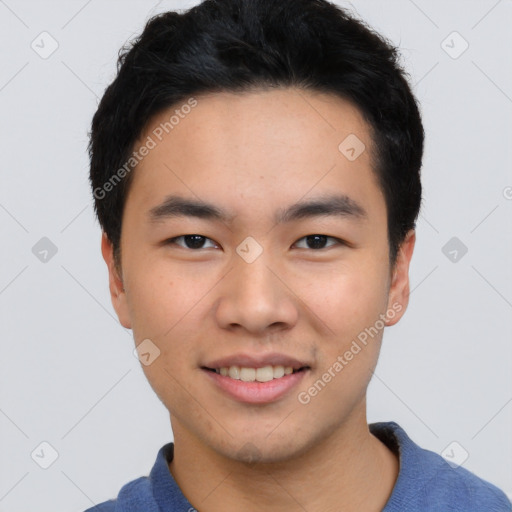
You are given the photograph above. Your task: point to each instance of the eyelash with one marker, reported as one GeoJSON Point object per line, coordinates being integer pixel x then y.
{"type": "Point", "coordinates": [172, 241]}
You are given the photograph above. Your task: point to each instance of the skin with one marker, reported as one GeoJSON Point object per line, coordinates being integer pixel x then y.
{"type": "Point", "coordinates": [253, 154]}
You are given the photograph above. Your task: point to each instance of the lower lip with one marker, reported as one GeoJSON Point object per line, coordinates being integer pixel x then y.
{"type": "Point", "coordinates": [257, 392]}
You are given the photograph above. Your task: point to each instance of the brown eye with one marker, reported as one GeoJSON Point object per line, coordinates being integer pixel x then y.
{"type": "Point", "coordinates": [191, 241]}
{"type": "Point", "coordinates": [318, 241]}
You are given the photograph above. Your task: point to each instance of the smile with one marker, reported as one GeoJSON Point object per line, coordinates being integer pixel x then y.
{"type": "Point", "coordinates": [262, 385]}
{"type": "Point", "coordinates": [263, 374]}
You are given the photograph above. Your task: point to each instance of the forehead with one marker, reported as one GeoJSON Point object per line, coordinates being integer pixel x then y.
{"type": "Point", "coordinates": [255, 145]}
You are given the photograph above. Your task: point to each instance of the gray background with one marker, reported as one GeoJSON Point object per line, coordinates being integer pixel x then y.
{"type": "Point", "coordinates": [67, 372]}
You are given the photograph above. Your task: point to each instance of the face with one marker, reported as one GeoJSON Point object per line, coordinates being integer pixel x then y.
{"type": "Point", "coordinates": [253, 246]}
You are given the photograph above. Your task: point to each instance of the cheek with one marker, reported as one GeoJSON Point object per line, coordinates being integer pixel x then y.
{"type": "Point", "coordinates": [168, 307]}
{"type": "Point", "coordinates": [156, 299]}
{"type": "Point", "coordinates": [351, 299]}
{"type": "Point", "coordinates": [350, 305]}
{"type": "Point", "coordinates": [162, 310]}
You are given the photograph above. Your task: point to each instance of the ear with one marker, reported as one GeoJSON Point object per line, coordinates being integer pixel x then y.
{"type": "Point", "coordinates": [398, 296]}
{"type": "Point", "coordinates": [117, 292]}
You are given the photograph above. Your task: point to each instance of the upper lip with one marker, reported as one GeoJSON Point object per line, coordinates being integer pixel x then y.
{"type": "Point", "coordinates": [256, 361]}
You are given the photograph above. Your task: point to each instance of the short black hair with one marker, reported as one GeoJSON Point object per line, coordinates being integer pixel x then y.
{"type": "Point", "coordinates": [240, 45]}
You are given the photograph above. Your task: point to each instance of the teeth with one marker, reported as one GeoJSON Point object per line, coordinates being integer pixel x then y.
{"type": "Point", "coordinates": [248, 374]}
{"type": "Point", "coordinates": [234, 372]}
{"type": "Point", "coordinates": [279, 372]}
{"type": "Point", "coordinates": [264, 374]}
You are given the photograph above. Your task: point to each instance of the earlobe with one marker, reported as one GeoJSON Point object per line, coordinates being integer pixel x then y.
{"type": "Point", "coordinates": [398, 297]}
{"type": "Point", "coordinates": [116, 286]}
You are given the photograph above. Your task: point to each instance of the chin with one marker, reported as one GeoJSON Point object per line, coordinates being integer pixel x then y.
{"type": "Point", "coordinates": [254, 449]}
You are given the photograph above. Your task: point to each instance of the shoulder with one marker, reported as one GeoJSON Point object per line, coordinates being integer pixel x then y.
{"type": "Point", "coordinates": [133, 496]}
{"type": "Point", "coordinates": [141, 493]}
{"type": "Point", "coordinates": [426, 481]}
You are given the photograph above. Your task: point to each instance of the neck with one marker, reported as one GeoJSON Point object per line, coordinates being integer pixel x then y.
{"type": "Point", "coordinates": [351, 470]}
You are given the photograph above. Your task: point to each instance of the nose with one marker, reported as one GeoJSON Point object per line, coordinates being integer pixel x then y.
{"type": "Point", "coordinates": [256, 298]}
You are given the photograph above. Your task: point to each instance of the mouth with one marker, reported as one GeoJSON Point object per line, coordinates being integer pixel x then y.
{"type": "Point", "coordinates": [256, 379]}
{"type": "Point", "coordinates": [262, 374]}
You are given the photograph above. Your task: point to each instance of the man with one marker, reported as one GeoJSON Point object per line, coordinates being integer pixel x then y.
{"type": "Point", "coordinates": [256, 173]}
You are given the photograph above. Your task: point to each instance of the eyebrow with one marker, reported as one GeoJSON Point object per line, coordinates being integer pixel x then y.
{"type": "Point", "coordinates": [332, 205]}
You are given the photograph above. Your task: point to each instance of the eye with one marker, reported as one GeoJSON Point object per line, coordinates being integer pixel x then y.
{"type": "Point", "coordinates": [190, 241]}
{"type": "Point", "coordinates": [194, 242]}
{"type": "Point", "coordinates": [318, 241]}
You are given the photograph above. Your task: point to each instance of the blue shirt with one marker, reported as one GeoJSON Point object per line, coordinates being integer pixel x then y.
{"type": "Point", "coordinates": [425, 483]}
